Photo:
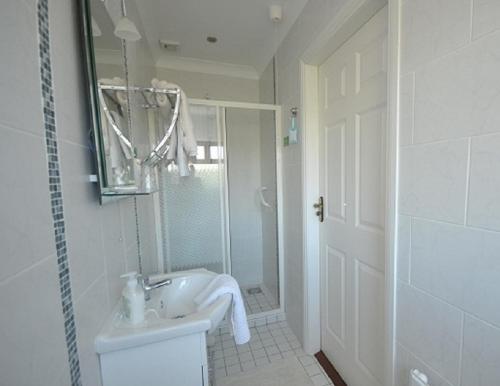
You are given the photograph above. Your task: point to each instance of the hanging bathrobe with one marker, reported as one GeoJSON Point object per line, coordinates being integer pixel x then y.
{"type": "Point", "coordinates": [182, 141]}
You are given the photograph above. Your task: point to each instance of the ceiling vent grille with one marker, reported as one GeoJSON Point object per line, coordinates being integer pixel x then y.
{"type": "Point", "coordinates": [169, 45]}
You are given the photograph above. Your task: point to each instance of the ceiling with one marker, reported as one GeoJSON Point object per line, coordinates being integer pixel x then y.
{"type": "Point", "coordinates": [247, 38]}
{"type": "Point", "coordinates": [107, 41]}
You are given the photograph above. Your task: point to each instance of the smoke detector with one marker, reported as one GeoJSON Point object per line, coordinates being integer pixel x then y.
{"type": "Point", "coordinates": [169, 45]}
{"type": "Point", "coordinates": [276, 13]}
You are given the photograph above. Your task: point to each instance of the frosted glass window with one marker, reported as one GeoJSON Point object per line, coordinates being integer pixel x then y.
{"type": "Point", "coordinates": [216, 152]}
{"type": "Point", "coordinates": [200, 152]}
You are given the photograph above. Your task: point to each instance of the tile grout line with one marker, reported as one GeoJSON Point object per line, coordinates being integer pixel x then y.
{"type": "Point", "coordinates": [467, 180]}
{"type": "Point", "coordinates": [431, 367]}
{"type": "Point", "coordinates": [443, 141]}
{"type": "Point", "coordinates": [413, 103]}
{"type": "Point", "coordinates": [471, 22]}
{"type": "Point", "coordinates": [56, 200]}
{"type": "Point", "coordinates": [443, 222]}
{"type": "Point", "coordinates": [137, 235]}
{"type": "Point", "coordinates": [461, 352]}
{"type": "Point", "coordinates": [446, 302]}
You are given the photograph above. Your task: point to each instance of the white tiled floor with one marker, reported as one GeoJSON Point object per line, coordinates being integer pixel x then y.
{"type": "Point", "coordinates": [260, 302]}
{"type": "Point", "coordinates": [269, 343]}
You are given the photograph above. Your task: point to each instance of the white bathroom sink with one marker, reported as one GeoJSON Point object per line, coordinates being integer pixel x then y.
{"type": "Point", "coordinates": [170, 313]}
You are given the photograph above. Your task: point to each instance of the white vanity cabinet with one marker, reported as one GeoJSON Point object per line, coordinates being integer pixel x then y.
{"type": "Point", "coordinates": [180, 361]}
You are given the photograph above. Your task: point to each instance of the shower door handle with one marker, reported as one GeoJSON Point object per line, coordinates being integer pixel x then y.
{"type": "Point", "coordinates": [320, 209]}
{"type": "Point", "coordinates": [263, 201]}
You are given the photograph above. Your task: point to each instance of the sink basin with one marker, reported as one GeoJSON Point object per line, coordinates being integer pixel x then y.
{"type": "Point", "coordinates": [170, 313]}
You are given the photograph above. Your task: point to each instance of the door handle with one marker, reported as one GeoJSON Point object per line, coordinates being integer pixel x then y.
{"type": "Point", "coordinates": [320, 209]}
{"type": "Point", "coordinates": [263, 201]}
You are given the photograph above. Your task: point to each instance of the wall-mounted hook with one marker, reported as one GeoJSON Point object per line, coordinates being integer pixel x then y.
{"type": "Point", "coordinates": [293, 135]}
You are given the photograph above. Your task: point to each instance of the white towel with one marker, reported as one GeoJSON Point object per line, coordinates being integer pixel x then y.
{"type": "Point", "coordinates": [219, 286]}
{"type": "Point", "coordinates": [182, 140]}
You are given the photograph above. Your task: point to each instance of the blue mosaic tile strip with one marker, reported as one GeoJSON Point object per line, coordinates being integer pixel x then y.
{"type": "Point", "coordinates": [55, 191]}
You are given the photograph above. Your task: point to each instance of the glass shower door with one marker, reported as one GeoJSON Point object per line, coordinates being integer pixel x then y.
{"type": "Point", "coordinates": [193, 206]}
{"type": "Point", "coordinates": [252, 196]}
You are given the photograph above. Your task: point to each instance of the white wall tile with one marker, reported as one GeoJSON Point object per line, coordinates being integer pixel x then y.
{"type": "Point", "coordinates": [147, 234]}
{"type": "Point", "coordinates": [484, 203]}
{"type": "Point", "coordinates": [406, 109]}
{"type": "Point", "coordinates": [266, 84]}
{"type": "Point", "coordinates": [481, 354]}
{"type": "Point", "coordinates": [430, 329]}
{"type": "Point", "coordinates": [114, 250]}
{"type": "Point", "coordinates": [458, 265]}
{"type": "Point", "coordinates": [404, 248]}
{"type": "Point", "coordinates": [486, 17]}
{"type": "Point", "coordinates": [132, 258]}
{"type": "Point", "coordinates": [20, 105]}
{"type": "Point", "coordinates": [64, 378]}
{"type": "Point", "coordinates": [81, 206]}
{"type": "Point", "coordinates": [127, 215]}
{"type": "Point", "coordinates": [91, 312]}
{"type": "Point", "coordinates": [431, 28]}
{"type": "Point", "coordinates": [26, 233]}
{"type": "Point", "coordinates": [198, 85]}
{"type": "Point", "coordinates": [68, 73]}
{"type": "Point", "coordinates": [33, 347]}
{"type": "Point", "coordinates": [457, 96]}
{"type": "Point", "coordinates": [406, 361]}
{"type": "Point", "coordinates": [289, 83]}
{"type": "Point", "coordinates": [293, 249]}
{"type": "Point", "coordinates": [433, 180]}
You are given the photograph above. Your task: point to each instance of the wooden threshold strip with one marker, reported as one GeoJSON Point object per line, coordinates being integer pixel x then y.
{"type": "Point", "coordinates": [329, 369]}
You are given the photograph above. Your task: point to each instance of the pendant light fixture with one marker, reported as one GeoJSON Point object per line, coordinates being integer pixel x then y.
{"type": "Point", "coordinates": [96, 31]}
{"type": "Point", "coordinates": [125, 28]}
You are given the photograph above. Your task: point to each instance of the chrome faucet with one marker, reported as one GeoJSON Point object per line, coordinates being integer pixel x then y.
{"type": "Point", "coordinates": [147, 286]}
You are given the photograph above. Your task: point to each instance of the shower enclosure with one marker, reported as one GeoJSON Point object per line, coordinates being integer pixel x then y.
{"type": "Point", "coordinates": [225, 216]}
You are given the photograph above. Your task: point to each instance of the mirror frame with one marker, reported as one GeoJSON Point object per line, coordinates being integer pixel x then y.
{"type": "Point", "coordinates": [92, 96]}
{"type": "Point", "coordinates": [106, 193]}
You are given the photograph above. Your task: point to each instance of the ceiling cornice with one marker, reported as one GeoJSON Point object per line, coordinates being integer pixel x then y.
{"type": "Point", "coordinates": [207, 67]}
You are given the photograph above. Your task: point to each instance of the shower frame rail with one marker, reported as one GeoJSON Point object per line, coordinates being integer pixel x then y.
{"type": "Point", "coordinates": [221, 110]}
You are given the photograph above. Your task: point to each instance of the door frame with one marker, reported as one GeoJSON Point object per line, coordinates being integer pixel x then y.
{"type": "Point", "coordinates": [353, 15]}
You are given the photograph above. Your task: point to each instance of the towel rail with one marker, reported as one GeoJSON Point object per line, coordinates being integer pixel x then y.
{"type": "Point", "coordinates": [161, 149]}
{"type": "Point", "coordinates": [173, 91]}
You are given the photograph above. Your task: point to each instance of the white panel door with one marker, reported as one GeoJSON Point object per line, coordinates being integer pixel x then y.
{"type": "Point", "coordinates": [352, 86]}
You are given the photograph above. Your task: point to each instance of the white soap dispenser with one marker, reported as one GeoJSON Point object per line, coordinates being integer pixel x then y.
{"type": "Point", "coordinates": [133, 299]}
